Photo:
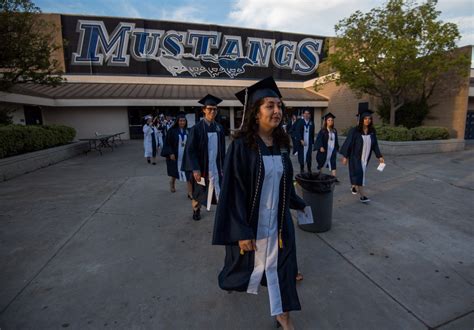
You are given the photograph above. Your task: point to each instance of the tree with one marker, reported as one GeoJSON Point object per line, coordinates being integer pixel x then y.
{"type": "Point", "coordinates": [26, 46]}
{"type": "Point", "coordinates": [398, 53]}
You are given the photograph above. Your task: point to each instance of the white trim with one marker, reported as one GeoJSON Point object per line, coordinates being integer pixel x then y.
{"type": "Point", "coordinates": [173, 81]}
{"type": "Point", "coordinates": [25, 99]}
{"type": "Point", "coordinates": [266, 255]}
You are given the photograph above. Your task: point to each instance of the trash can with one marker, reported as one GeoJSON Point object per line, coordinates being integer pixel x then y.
{"type": "Point", "coordinates": [317, 191]}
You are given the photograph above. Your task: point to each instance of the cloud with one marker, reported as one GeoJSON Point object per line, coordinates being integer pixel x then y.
{"type": "Point", "coordinates": [303, 16]}
{"type": "Point", "coordinates": [183, 14]}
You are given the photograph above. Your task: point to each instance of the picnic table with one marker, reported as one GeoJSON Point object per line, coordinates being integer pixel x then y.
{"type": "Point", "coordinates": [100, 141]}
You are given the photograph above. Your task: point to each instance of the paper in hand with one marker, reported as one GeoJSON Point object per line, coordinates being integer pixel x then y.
{"type": "Point", "coordinates": [202, 182]}
{"type": "Point", "coordinates": [305, 217]}
{"type": "Point", "coordinates": [381, 167]}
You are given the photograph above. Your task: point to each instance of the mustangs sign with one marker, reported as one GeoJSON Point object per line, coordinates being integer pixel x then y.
{"type": "Point", "coordinates": [157, 48]}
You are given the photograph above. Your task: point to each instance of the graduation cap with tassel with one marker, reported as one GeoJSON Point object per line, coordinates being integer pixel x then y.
{"type": "Point", "coordinates": [248, 96]}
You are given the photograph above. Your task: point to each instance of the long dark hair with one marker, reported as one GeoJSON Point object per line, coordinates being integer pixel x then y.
{"type": "Point", "coordinates": [360, 127]}
{"type": "Point", "coordinates": [176, 122]}
{"type": "Point", "coordinates": [325, 124]}
{"type": "Point", "coordinates": [249, 129]}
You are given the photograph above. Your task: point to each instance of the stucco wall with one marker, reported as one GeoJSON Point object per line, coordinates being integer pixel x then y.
{"type": "Point", "coordinates": [89, 120]}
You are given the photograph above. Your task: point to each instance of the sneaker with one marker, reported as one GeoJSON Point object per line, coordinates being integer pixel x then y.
{"type": "Point", "coordinates": [364, 199]}
{"type": "Point", "coordinates": [353, 190]}
{"type": "Point", "coordinates": [197, 215]}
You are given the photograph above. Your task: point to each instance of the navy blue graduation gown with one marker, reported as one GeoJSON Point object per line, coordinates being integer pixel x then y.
{"type": "Point", "coordinates": [196, 157]}
{"type": "Point", "coordinates": [237, 218]}
{"type": "Point", "coordinates": [352, 150]}
{"type": "Point", "coordinates": [322, 141]}
{"type": "Point", "coordinates": [171, 147]}
{"type": "Point", "coordinates": [299, 135]}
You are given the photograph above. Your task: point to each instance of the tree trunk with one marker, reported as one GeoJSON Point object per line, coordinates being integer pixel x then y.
{"type": "Point", "coordinates": [392, 111]}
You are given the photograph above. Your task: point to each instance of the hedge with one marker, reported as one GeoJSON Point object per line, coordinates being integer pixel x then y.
{"type": "Point", "coordinates": [19, 139]}
{"type": "Point", "coordinates": [400, 133]}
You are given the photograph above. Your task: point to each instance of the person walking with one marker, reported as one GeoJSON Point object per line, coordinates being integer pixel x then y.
{"type": "Point", "coordinates": [253, 217]}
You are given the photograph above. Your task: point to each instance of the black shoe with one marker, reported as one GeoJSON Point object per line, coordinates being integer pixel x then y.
{"type": "Point", "coordinates": [149, 161]}
{"type": "Point", "coordinates": [364, 199]}
{"type": "Point", "coordinates": [197, 215]}
{"type": "Point", "coordinates": [353, 190]}
{"type": "Point", "coordinates": [338, 182]}
{"type": "Point", "coordinates": [154, 163]}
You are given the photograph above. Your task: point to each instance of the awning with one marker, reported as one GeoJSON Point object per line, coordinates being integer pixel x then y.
{"type": "Point", "coordinates": [129, 94]}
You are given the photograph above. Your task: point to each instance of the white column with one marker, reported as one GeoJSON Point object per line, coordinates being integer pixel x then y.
{"type": "Point", "coordinates": [232, 117]}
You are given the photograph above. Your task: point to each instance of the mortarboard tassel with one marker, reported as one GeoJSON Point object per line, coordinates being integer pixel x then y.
{"type": "Point", "coordinates": [245, 108]}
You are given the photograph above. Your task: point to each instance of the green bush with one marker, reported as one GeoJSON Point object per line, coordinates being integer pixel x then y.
{"type": "Point", "coordinates": [400, 133]}
{"type": "Point", "coordinates": [389, 133]}
{"type": "Point", "coordinates": [429, 133]}
{"type": "Point", "coordinates": [18, 139]}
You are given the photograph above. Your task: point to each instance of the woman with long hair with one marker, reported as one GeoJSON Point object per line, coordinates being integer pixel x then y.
{"type": "Point", "coordinates": [357, 149]}
{"type": "Point", "coordinates": [327, 145]}
{"type": "Point", "coordinates": [173, 150]}
{"type": "Point", "coordinates": [253, 218]}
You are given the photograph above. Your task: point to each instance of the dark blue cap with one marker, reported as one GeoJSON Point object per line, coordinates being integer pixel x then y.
{"type": "Point", "coordinates": [264, 88]}
{"type": "Point", "coordinates": [328, 115]}
{"type": "Point", "coordinates": [210, 100]}
{"type": "Point", "coordinates": [363, 110]}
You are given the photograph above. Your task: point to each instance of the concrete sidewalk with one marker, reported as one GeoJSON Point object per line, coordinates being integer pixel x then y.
{"type": "Point", "coordinates": [99, 241]}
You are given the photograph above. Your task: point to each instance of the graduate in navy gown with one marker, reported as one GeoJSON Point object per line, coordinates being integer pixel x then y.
{"type": "Point", "coordinates": [173, 150]}
{"type": "Point", "coordinates": [253, 218]}
{"type": "Point", "coordinates": [151, 142]}
{"type": "Point", "coordinates": [304, 138]}
{"type": "Point", "coordinates": [357, 149]}
{"type": "Point", "coordinates": [327, 145]}
{"type": "Point", "coordinates": [204, 157]}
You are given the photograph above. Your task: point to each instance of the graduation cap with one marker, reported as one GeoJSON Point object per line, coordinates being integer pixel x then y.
{"type": "Point", "coordinates": [210, 100]}
{"type": "Point", "coordinates": [328, 115]}
{"type": "Point", "coordinates": [181, 114]}
{"type": "Point", "coordinates": [148, 117]}
{"type": "Point", "coordinates": [363, 110]}
{"type": "Point", "coordinates": [263, 88]}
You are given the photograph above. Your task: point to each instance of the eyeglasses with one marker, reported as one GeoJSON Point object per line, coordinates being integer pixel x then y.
{"type": "Point", "coordinates": [212, 109]}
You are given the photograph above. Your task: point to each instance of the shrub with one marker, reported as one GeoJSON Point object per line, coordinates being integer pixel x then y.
{"type": "Point", "coordinates": [18, 139]}
{"type": "Point", "coordinates": [400, 133]}
{"type": "Point", "coordinates": [389, 133]}
{"type": "Point", "coordinates": [429, 133]}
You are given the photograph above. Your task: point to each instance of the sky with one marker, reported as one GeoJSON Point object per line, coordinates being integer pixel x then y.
{"type": "Point", "coordinates": [299, 16]}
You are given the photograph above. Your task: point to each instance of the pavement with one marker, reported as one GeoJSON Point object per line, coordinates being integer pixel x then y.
{"type": "Point", "coordinates": [100, 242]}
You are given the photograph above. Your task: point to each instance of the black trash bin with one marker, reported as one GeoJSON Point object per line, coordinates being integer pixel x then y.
{"type": "Point", "coordinates": [317, 191]}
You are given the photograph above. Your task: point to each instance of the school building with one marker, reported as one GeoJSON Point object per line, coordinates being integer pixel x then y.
{"type": "Point", "coordinates": [120, 69]}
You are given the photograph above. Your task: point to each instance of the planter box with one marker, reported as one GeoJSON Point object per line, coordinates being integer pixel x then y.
{"type": "Point", "coordinates": [17, 165]}
{"type": "Point", "coordinates": [417, 147]}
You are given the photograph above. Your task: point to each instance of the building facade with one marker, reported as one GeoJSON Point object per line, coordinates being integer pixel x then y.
{"type": "Point", "coordinates": [118, 70]}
